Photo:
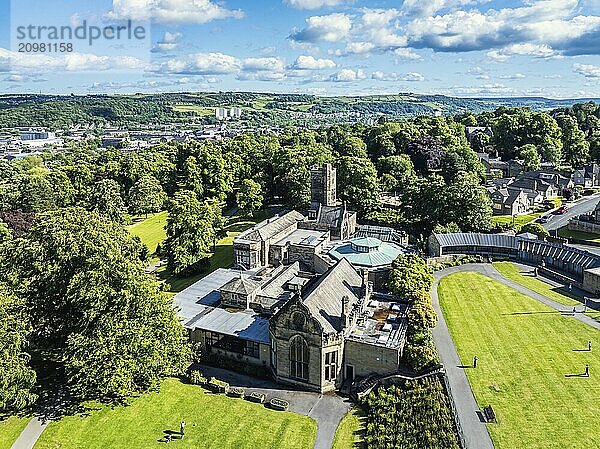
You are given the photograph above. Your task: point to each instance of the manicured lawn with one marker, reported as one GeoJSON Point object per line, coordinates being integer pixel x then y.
{"type": "Point", "coordinates": [512, 272]}
{"type": "Point", "coordinates": [578, 235]}
{"type": "Point", "coordinates": [212, 421]}
{"type": "Point", "coordinates": [349, 433]}
{"type": "Point", "coordinates": [520, 220]}
{"type": "Point", "coordinates": [151, 230]}
{"type": "Point", "coordinates": [10, 429]}
{"type": "Point", "coordinates": [530, 361]}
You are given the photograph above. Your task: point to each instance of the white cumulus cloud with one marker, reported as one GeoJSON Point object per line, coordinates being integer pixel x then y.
{"type": "Point", "coordinates": [171, 11]}
{"type": "Point", "coordinates": [311, 63]}
{"type": "Point", "coordinates": [312, 4]}
{"type": "Point", "coordinates": [330, 28]}
{"type": "Point", "coordinates": [346, 75]}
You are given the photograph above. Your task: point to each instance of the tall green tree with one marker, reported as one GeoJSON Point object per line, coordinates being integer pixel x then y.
{"type": "Point", "coordinates": [96, 311]}
{"type": "Point", "coordinates": [358, 183]}
{"type": "Point", "coordinates": [17, 379]}
{"type": "Point", "coordinates": [190, 232]}
{"type": "Point", "coordinates": [106, 200]}
{"type": "Point", "coordinates": [409, 276]}
{"type": "Point", "coordinates": [531, 157]}
{"type": "Point", "coordinates": [249, 197]}
{"type": "Point", "coordinates": [146, 196]}
{"type": "Point", "coordinates": [576, 148]}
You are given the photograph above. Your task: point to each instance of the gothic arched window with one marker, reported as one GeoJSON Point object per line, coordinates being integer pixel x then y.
{"type": "Point", "coordinates": [299, 355]}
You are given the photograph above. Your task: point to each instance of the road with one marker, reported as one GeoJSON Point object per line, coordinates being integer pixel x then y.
{"type": "Point", "coordinates": [579, 207]}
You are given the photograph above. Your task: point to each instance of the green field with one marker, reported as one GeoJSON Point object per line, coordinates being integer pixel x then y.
{"type": "Point", "coordinates": [530, 364]}
{"type": "Point", "coordinates": [199, 110]}
{"type": "Point", "coordinates": [512, 272]}
{"type": "Point", "coordinates": [10, 429]}
{"type": "Point", "coordinates": [212, 421]}
{"type": "Point", "coordinates": [520, 220]}
{"type": "Point", "coordinates": [151, 231]}
{"type": "Point", "coordinates": [578, 235]}
{"type": "Point", "coordinates": [349, 434]}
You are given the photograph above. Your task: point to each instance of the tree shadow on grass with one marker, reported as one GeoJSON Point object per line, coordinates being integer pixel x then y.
{"type": "Point", "coordinates": [534, 313]}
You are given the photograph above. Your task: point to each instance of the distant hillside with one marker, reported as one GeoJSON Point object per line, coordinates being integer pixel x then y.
{"type": "Point", "coordinates": [259, 108]}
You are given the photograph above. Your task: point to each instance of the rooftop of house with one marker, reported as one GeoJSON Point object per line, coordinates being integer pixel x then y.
{"type": "Point", "coordinates": [323, 296]}
{"type": "Point", "coordinates": [366, 252]}
{"type": "Point", "coordinates": [271, 227]}
{"type": "Point", "coordinates": [198, 308]}
{"type": "Point", "coordinates": [382, 324]}
{"type": "Point", "coordinates": [307, 237]}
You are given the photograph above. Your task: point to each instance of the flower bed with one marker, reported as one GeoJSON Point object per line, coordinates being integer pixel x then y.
{"type": "Point", "coordinates": [218, 386]}
{"type": "Point", "coordinates": [256, 397]}
{"type": "Point", "coordinates": [279, 404]}
{"type": "Point", "coordinates": [237, 392]}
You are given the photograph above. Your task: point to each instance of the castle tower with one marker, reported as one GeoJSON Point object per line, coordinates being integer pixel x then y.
{"type": "Point", "coordinates": [323, 186]}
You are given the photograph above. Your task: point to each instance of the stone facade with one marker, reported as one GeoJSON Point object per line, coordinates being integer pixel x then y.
{"type": "Point", "coordinates": [296, 322]}
{"type": "Point", "coordinates": [369, 359]}
{"type": "Point", "coordinates": [323, 188]}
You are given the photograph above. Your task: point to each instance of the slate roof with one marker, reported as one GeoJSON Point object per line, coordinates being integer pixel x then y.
{"type": "Point", "coordinates": [474, 239]}
{"type": "Point", "coordinates": [241, 285]}
{"type": "Point", "coordinates": [323, 298]}
{"type": "Point", "coordinates": [268, 228]}
{"type": "Point", "coordinates": [196, 307]}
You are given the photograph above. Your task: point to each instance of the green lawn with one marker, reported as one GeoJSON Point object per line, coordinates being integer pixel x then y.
{"type": "Point", "coordinates": [349, 433]}
{"type": "Point", "coordinates": [512, 272]}
{"type": "Point", "coordinates": [10, 429]}
{"type": "Point", "coordinates": [520, 220]}
{"type": "Point", "coordinates": [530, 361]}
{"type": "Point", "coordinates": [151, 230]}
{"type": "Point", "coordinates": [212, 421]}
{"type": "Point", "coordinates": [578, 235]}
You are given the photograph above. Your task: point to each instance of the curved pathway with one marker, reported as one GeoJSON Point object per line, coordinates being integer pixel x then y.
{"type": "Point", "coordinates": [475, 432]}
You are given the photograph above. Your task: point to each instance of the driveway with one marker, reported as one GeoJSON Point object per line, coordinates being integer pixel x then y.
{"type": "Point", "coordinates": [326, 409]}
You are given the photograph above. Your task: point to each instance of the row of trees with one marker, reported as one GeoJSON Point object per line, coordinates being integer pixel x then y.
{"type": "Point", "coordinates": [411, 279]}
{"type": "Point", "coordinates": [562, 136]}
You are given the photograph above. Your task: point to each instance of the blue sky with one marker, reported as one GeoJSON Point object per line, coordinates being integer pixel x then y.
{"type": "Point", "coordinates": [467, 48]}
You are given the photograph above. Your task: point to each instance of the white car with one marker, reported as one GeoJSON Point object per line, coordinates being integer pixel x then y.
{"type": "Point", "coordinates": [544, 218]}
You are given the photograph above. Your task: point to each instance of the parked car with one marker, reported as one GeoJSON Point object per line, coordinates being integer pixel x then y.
{"type": "Point", "coordinates": [544, 218]}
{"type": "Point", "coordinates": [561, 210]}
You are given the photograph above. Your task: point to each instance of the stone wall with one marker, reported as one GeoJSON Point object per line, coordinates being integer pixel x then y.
{"type": "Point", "coordinates": [294, 321]}
{"type": "Point", "coordinates": [591, 281]}
{"type": "Point", "coordinates": [585, 226]}
{"type": "Point", "coordinates": [370, 359]}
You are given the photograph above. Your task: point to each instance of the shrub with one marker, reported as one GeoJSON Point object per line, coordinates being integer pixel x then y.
{"type": "Point", "coordinates": [420, 357]}
{"type": "Point", "coordinates": [196, 378]}
{"type": "Point", "coordinates": [410, 415]}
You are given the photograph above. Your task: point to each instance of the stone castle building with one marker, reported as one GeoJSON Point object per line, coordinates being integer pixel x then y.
{"type": "Point", "coordinates": [300, 302]}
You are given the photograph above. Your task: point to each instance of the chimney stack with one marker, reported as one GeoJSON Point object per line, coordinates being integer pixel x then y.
{"type": "Point", "coordinates": [345, 312]}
